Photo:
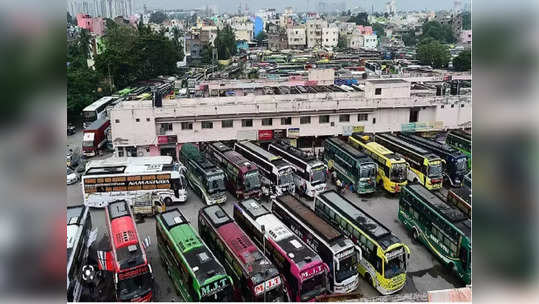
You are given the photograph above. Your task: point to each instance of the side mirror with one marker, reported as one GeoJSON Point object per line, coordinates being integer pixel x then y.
{"type": "Point", "coordinates": [337, 264]}
{"type": "Point", "coordinates": [359, 253]}
{"type": "Point", "coordinates": [147, 242]}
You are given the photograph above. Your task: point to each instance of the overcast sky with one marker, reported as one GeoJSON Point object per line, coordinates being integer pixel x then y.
{"type": "Point", "coordinates": [230, 5]}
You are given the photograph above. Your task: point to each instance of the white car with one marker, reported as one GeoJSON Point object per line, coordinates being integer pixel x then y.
{"type": "Point", "coordinates": [72, 177]}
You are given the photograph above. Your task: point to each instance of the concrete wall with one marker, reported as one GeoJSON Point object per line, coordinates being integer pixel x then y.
{"type": "Point", "coordinates": [296, 36]}
{"type": "Point", "coordinates": [370, 41]}
{"type": "Point", "coordinates": [330, 36]}
{"type": "Point", "coordinates": [389, 89]}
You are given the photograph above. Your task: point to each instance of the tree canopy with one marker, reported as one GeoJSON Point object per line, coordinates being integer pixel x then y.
{"type": "Point", "coordinates": [261, 36]}
{"type": "Point", "coordinates": [360, 19]}
{"type": "Point", "coordinates": [409, 38]}
{"type": "Point", "coordinates": [158, 17]}
{"type": "Point", "coordinates": [463, 62]}
{"type": "Point", "coordinates": [466, 21]}
{"type": "Point", "coordinates": [341, 43]}
{"type": "Point", "coordinates": [432, 52]}
{"type": "Point", "coordinates": [225, 42]}
{"type": "Point", "coordinates": [379, 29]}
{"type": "Point", "coordinates": [437, 31]}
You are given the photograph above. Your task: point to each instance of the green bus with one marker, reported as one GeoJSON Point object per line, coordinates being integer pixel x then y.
{"type": "Point", "coordinates": [461, 141]}
{"type": "Point", "coordinates": [442, 228]}
{"type": "Point", "coordinates": [351, 166]}
{"type": "Point", "coordinates": [195, 272]}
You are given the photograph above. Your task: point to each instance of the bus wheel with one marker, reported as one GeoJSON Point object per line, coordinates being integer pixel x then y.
{"type": "Point", "coordinates": [168, 201]}
{"type": "Point", "coordinates": [369, 280]}
{"type": "Point", "coordinates": [415, 234]}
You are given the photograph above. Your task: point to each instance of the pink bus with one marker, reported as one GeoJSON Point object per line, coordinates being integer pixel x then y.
{"type": "Point", "coordinates": [303, 270]}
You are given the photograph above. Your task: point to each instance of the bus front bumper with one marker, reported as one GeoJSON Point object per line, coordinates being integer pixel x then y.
{"type": "Point", "coordinates": [392, 285]}
{"type": "Point", "coordinates": [347, 286]}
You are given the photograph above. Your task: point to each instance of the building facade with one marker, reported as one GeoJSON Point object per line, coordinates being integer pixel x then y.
{"type": "Point", "coordinates": [313, 29]}
{"type": "Point", "coordinates": [296, 37]}
{"type": "Point", "coordinates": [330, 36]}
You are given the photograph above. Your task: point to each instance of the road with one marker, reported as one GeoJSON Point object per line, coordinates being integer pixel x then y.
{"type": "Point", "coordinates": [424, 271]}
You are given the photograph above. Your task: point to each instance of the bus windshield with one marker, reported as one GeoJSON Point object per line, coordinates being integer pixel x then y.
{"type": "Point", "coordinates": [461, 164]}
{"type": "Point", "coordinates": [398, 173]}
{"type": "Point", "coordinates": [251, 180]}
{"type": "Point", "coordinates": [313, 287]}
{"type": "Point", "coordinates": [224, 295]}
{"type": "Point", "coordinates": [274, 295]}
{"type": "Point", "coordinates": [319, 175]}
{"type": "Point", "coordinates": [367, 171]}
{"type": "Point", "coordinates": [435, 170]}
{"type": "Point", "coordinates": [134, 287]}
{"type": "Point", "coordinates": [348, 268]}
{"type": "Point", "coordinates": [285, 176]}
{"type": "Point", "coordinates": [89, 116]}
{"type": "Point", "coordinates": [87, 143]}
{"type": "Point", "coordinates": [216, 183]}
{"type": "Point", "coordinates": [394, 267]}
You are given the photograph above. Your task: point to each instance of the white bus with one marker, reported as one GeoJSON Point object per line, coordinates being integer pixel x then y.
{"type": "Point", "coordinates": [310, 174]}
{"type": "Point", "coordinates": [96, 110]}
{"type": "Point", "coordinates": [107, 181]}
{"type": "Point", "coordinates": [79, 226]}
{"type": "Point", "coordinates": [275, 170]}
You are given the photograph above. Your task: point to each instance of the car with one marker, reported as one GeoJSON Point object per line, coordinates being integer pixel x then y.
{"type": "Point", "coordinates": [72, 177]}
{"type": "Point", "coordinates": [70, 129]}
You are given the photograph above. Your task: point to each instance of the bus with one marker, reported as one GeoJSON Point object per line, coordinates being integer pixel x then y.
{"type": "Point", "coordinates": [310, 172]}
{"type": "Point", "coordinates": [462, 197]}
{"type": "Point", "coordinates": [384, 257]}
{"type": "Point", "coordinates": [96, 110]}
{"type": "Point", "coordinates": [275, 170]}
{"type": "Point", "coordinates": [392, 169]}
{"type": "Point", "coordinates": [442, 228]}
{"type": "Point", "coordinates": [461, 141]}
{"type": "Point", "coordinates": [133, 279]}
{"type": "Point", "coordinates": [195, 272]}
{"type": "Point", "coordinates": [335, 249]}
{"type": "Point", "coordinates": [425, 167]}
{"type": "Point", "coordinates": [203, 175]}
{"type": "Point", "coordinates": [455, 161]}
{"type": "Point", "coordinates": [256, 278]}
{"type": "Point", "coordinates": [79, 226]}
{"type": "Point", "coordinates": [351, 166]}
{"type": "Point", "coordinates": [303, 270]}
{"type": "Point", "coordinates": [242, 176]}
{"type": "Point", "coordinates": [108, 180]}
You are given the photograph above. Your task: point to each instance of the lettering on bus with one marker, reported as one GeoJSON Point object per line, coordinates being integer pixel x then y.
{"type": "Point", "coordinates": [214, 287]}
{"type": "Point", "coordinates": [394, 253]}
{"type": "Point", "coordinates": [311, 272]}
{"type": "Point", "coordinates": [127, 183]}
{"type": "Point", "coordinates": [440, 244]}
{"type": "Point", "coordinates": [345, 253]}
{"type": "Point", "coordinates": [267, 285]}
{"type": "Point", "coordinates": [132, 273]}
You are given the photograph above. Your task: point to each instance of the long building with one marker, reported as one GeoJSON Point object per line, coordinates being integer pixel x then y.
{"type": "Point", "coordinates": [309, 113]}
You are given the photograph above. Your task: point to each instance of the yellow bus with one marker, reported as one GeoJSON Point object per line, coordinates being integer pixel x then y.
{"type": "Point", "coordinates": [384, 257]}
{"type": "Point", "coordinates": [392, 169]}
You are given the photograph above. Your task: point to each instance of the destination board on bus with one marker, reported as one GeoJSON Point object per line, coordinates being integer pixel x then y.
{"type": "Point", "coordinates": [214, 287]}
{"type": "Point", "coordinates": [269, 284]}
{"type": "Point", "coordinates": [311, 272]}
{"type": "Point", "coordinates": [127, 183]}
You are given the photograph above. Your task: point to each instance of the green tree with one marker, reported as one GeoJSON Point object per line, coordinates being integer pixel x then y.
{"type": "Point", "coordinates": [360, 19]}
{"type": "Point", "coordinates": [206, 54]}
{"type": "Point", "coordinates": [341, 43]}
{"type": "Point", "coordinates": [409, 38]}
{"type": "Point", "coordinates": [70, 19]}
{"type": "Point", "coordinates": [225, 42]}
{"type": "Point", "coordinates": [158, 17]}
{"type": "Point", "coordinates": [261, 36]}
{"type": "Point", "coordinates": [437, 31]}
{"type": "Point", "coordinates": [379, 29]}
{"type": "Point", "coordinates": [432, 52]}
{"type": "Point", "coordinates": [466, 21]}
{"type": "Point", "coordinates": [463, 62]}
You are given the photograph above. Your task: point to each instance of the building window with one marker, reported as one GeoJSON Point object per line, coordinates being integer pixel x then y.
{"type": "Point", "coordinates": [137, 119]}
{"type": "Point", "coordinates": [147, 119]}
{"type": "Point", "coordinates": [147, 149]}
{"type": "Point", "coordinates": [166, 127]}
{"type": "Point", "coordinates": [323, 119]}
{"type": "Point", "coordinates": [116, 121]}
{"type": "Point", "coordinates": [246, 122]}
{"type": "Point", "coordinates": [374, 120]}
{"type": "Point", "coordinates": [286, 121]}
{"type": "Point", "coordinates": [452, 106]}
{"type": "Point", "coordinates": [227, 123]}
{"type": "Point", "coordinates": [442, 106]}
{"type": "Point", "coordinates": [267, 121]}
{"type": "Point", "coordinates": [378, 91]}
{"type": "Point", "coordinates": [305, 120]}
{"type": "Point", "coordinates": [121, 153]}
{"type": "Point", "coordinates": [362, 117]}
{"type": "Point", "coordinates": [462, 105]}
{"type": "Point", "coordinates": [344, 118]}
{"type": "Point", "coordinates": [207, 125]}
{"type": "Point", "coordinates": [414, 115]}
{"type": "Point", "coordinates": [187, 126]}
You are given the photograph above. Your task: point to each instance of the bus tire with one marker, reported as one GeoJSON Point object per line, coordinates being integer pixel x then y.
{"type": "Point", "coordinates": [369, 280]}
{"type": "Point", "coordinates": [415, 234]}
{"type": "Point", "coordinates": [168, 201]}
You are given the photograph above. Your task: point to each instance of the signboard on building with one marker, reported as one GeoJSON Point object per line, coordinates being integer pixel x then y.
{"type": "Point", "coordinates": [247, 135]}
{"type": "Point", "coordinates": [359, 129]}
{"type": "Point", "coordinates": [167, 139]}
{"type": "Point", "coordinates": [348, 130]}
{"type": "Point", "coordinates": [293, 132]}
{"type": "Point", "coordinates": [422, 126]}
{"type": "Point", "coordinates": [265, 134]}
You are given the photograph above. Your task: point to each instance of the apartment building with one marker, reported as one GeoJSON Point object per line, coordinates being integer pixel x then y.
{"type": "Point", "coordinates": [314, 29]}
{"type": "Point", "coordinates": [296, 37]}
{"type": "Point", "coordinates": [330, 36]}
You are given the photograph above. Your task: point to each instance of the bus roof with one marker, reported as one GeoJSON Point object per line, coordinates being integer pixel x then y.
{"type": "Point", "coordinates": [101, 101]}
{"type": "Point", "coordinates": [76, 217]}
{"type": "Point", "coordinates": [450, 213]}
{"type": "Point", "coordinates": [411, 147]}
{"type": "Point", "coordinates": [431, 144]}
{"type": "Point", "coordinates": [307, 216]}
{"type": "Point", "coordinates": [253, 208]}
{"type": "Point", "coordinates": [141, 160]}
{"type": "Point", "coordinates": [216, 215]}
{"type": "Point", "coordinates": [219, 146]}
{"type": "Point", "coordinates": [97, 124]}
{"type": "Point", "coordinates": [348, 148]}
{"type": "Point", "coordinates": [374, 229]}
{"type": "Point", "coordinates": [191, 152]}
{"type": "Point", "coordinates": [124, 236]}
{"type": "Point", "coordinates": [129, 169]}
{"type": "Point", "coordinates": [298, 153]}
{"type": "Point", "coordinates": [462, 134]}
{"type": "Point", "coordinates": [258, 150]}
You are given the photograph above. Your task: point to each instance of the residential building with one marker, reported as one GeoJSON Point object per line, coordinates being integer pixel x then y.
{"type": "Point", "coordinates": [330, 36]}
{"type": "Point", "coordinates": [370, 41]}
{"type": "Point", "coordinates": [93, 25]}
{"type": "Point", "coordinates": [466, 36]}
{"type": "Point", "coordinates": [277, 40]}
{"type": "Point", "coordinates": [354, 40]}
{"type": "Point", "coordinates": [296, 37]}
{"type": "Point", "coordinates": [313, 29]}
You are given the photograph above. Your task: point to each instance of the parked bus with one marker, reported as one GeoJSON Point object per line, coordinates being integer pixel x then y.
{"type": "Point", "coordinates": [96, 110]}
{"type": "Point", "coordinates": [392, 169]}
{"type": "Point", "coordinates": [384, 258]}
{"type": "Point", "coordinates": [310, 172]}
{"type": "Point", "coordinates": [442, 228]}
{"type": "Point", "coordinates": [204, 177]}
{"type": "Point", "coordinates": [256, 278]}
{"type": "Point", "coordinates": [195, 272]}
{"type": "Point", "coordinates": [455, 161]}
{"type": "Point", "coordinates": [425, 167]}
{"type": "Point", "coordinates": [303, 269]}
{"type": "Point", "coordinates": [108, 180]}
{"type": "Point", "coordinates": [79, 226]}
{"type": "Point", "coordinates": [273, 167]}
{"type": "Point", "coordinates": [133, 279]}
{"type": "Point", "coordinates": [461, 141]}
{"type": "Point", "coordinates": [335, 249]}
{"type": "Point", "coordinates": [462, 197]}
{"type": "Point", "coordinates": [351, 166]}
{"type": "Point", "coordinates": [242, 175]}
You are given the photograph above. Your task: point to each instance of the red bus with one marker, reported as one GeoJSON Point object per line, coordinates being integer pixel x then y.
{"type": "Point", "coordinates": [242, 175]}
{"type": "Point", "coordinates": [133, 278]}
{"type": "Point", "coordinates": [255, 277]}
{"type": "Point", "coordinates": [305, 274]}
